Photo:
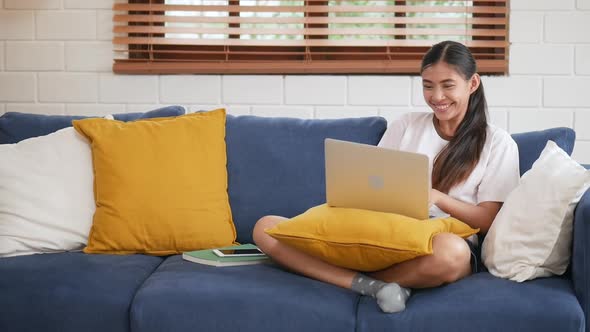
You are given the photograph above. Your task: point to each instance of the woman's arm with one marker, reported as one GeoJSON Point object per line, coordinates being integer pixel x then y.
{"type": "Point", "coordinates": [477, 216]}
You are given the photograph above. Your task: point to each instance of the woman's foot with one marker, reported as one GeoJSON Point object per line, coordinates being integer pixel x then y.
{"type": "Point", "coordinates": [390, 297]}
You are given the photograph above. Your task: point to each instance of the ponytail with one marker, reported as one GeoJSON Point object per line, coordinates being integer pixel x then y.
{"type": "Point", "coordinates": [456, 161]}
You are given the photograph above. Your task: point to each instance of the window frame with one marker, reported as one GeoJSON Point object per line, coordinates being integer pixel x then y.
{"type": "Point", "coordinates": [402, 60]}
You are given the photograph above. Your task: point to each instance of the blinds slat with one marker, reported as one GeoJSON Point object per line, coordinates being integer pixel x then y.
{"type": "Point", "coordinates": [309, 20]}
{"type": "Point", "coordinates": [302, 42]}
{"type": "Point", "coordinates": [261, 51]}
{"type": "Point", "coordinates": [310, 31]}
{"type": "Point", "coordinates": [317, 9]}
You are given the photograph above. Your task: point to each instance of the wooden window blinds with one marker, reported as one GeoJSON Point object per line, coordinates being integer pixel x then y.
{"type": "Point", "coordinates": [298, 37]}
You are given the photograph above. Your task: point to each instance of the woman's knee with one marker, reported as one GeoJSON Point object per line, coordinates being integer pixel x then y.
{"type": "Point", "coordinates": [258, 234]}
{"type": "Point", "coordinates": [453, 257]}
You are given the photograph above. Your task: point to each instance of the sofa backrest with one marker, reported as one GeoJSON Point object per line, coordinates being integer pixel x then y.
{"type": "Point", "coordinates": [15, 126]}
{"type": "Point", "coordinates": [276, 165]}
{"type": "Point", "coordinates": [531, 144]}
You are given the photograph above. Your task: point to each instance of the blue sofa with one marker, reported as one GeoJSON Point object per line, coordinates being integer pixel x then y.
{"type": "Point", "coordinates": [275, 166]}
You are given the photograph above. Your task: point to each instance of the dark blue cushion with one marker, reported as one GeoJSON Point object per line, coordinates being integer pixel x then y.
{"type": "Point", "coordinates": [70, 291]}
{"type": "Point", "coordinates": [580, 264]}
{"type": "Point", "coordinates": [183, 296]}
{"type": "Point", "coordinates": [276, 165]}
{"type": "Point", "coordinates": [15, 127]}
{"type": "Point", "coordinates": [531, 144]}
{"type": "Point", "coordinates": [163, 112]}
{"type": "Point", "coordinates": [482, 302]}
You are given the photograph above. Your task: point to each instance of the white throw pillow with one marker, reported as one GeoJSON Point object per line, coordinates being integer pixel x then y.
{"type": "Point", "coordinates": [531, 236]}
{"type": "Point", "coordinates": [46, 194]}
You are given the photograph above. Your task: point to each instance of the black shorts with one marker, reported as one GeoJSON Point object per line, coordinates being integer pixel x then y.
{"type": "Point", "coordinates": [476, 264]}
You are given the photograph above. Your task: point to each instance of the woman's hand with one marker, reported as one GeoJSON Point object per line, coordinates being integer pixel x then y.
{"type": "Point", "coordinates": [435, 196]}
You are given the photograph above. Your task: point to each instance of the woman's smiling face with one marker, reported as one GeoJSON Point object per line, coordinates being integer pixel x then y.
{"type": "Point", "coordinates": [447, 92]}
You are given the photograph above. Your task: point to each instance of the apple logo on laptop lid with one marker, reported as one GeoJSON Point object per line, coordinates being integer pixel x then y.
{"type": "Point", "coordinates": [376, 182]}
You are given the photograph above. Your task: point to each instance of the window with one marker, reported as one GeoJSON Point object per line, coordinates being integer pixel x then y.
{"type": "Point", "coordinates": [302, 36]}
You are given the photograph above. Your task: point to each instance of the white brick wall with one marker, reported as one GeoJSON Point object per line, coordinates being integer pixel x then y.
{"type": "Point", "coordinates": [90, 4]}
{"type": "Point", "coordinates": [32, 4]}
{"type": "Point", "coordinates": [105, 25]}
{"type": "Point", "coordinates": [380, 90]}
{"type": "Point", "coordinates": [68, 87]}
{"type": "Point", "coordinates": [53, 109]}
{"type": "Point", "coordinates": [583, 59]}
{"type": "Point", "coordinates": [512, 91]}
{"type": "Point", "coordinates": [335, 112]}
{"type": "Point", "coordinates": [520, 119]}
{"type": "Point", "coordinates": [1, 56]}
{"type": "Point", "coordinates": [315, 90]}
{"type": "Point", "coordinates": [584, 4]}
{"type": "Point", "coordinates": [541, 59]}
{"type": "Point", "coordinates": [95, 109]}
{"type": "Point", "coordinates": [128, 89]}
{"type": "Point", "coordinates": [417, 95]}
{"type": "Point", "coordinates": [16, 25]}
{"type": "Point", "coordinates": [567, 92]}
{"type": "Point", "coordinates": [190, 89]}
{"type": "Point", "coordinates": [546, 5]}
{"type": "Point", "coordinates": [89, 56]}
{"type": "Point", "coordinates": [583, 124]}
{"type": "Point", "coordinates": [66, 25]}
{"type": "Point", "coordinates": [582, 151]}
{"type": "Point", "coordinates": [567, 27]}
{"type": "Point", "coordinates": [285, 111]}
{"type": "Point", "coordinates": [252, 89]}
{"type": "Point", "coordinates": [499, 117]}
{"type": "Point", "coordinates": [526, 27]}
{"type": "Point", "coordinates": [17, 87]}
{"type": "Point", "coordinates": [34, 56]}
{"type": "Point", "coordinates": [56, 58]}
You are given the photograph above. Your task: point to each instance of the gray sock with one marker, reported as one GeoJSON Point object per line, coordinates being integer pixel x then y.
{"type": "Point", "coordinates": [390, 297]}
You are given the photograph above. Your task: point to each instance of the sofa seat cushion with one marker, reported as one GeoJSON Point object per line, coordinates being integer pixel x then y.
{"type": "Point", "coordinates": [70, 291]}
{"type": "Point", "coordinates": [183, 296]}
{"type": "Point", "coordinates": [482, 302]}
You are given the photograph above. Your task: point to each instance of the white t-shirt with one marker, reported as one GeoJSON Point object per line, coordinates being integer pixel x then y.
{"type": "Point", "coordinates": [492, 179]}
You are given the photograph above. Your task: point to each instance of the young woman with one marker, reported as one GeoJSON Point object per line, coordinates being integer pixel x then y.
{"type": "Point", "coordinates": [474, 166]}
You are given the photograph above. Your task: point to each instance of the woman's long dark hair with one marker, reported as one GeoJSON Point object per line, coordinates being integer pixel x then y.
{"type": "Point", "coordinates": [455, 162]}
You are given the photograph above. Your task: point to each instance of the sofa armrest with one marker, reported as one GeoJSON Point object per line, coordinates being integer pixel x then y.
{"type": "Point", "coordinates": [581, 254]}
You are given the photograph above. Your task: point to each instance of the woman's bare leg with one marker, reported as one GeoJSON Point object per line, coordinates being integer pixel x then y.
{"type": "Point", "coordinates": [390, 296]}
{"type": "Point", "coordinates": [450, 261]}
{"type": "Point", "coordinates": [296, 260]}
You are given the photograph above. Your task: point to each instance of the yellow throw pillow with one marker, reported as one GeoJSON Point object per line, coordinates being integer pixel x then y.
{"type": "Point", "coordinates": [363, 240]}
{"type": "Point", "coordinates": [160, 185]}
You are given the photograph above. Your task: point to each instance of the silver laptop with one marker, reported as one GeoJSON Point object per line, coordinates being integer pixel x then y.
{"type": "Point", "coordinates": [369, 177]}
